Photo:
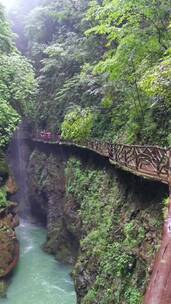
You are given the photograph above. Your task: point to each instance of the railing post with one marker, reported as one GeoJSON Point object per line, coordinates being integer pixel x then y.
{"type": "Point", "coordinates": [169, 171]}
{"type": "Point", "coordinates": [169, 184]}
{"type": "Point", "coordinates": [125, 158]}
{"type": "Point", "coordinates": [136, 159]}
{"type": "Point", "coordinates": [115, 152]}
{"type": "Point", "coordinates": [159, 291]}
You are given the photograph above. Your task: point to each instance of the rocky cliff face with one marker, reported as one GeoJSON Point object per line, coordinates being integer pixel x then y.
{"type": "Point", "coordinates": [47, 196]}
{"type": "Point", "coordinates": [106, 222]}
{"type": "Point", "coordinates": [9, 246]}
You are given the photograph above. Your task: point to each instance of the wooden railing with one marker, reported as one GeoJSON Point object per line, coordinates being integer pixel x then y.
{"type": "Point", "coordinates": [147, 161]}
{"type": "Point", "coordinates": [150, 162]}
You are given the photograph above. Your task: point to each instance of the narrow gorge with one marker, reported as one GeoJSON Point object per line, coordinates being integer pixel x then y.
{"type": "Point", "coordinates": [85, 157]}
{"type": "Point", "coordinates": [99, 219]}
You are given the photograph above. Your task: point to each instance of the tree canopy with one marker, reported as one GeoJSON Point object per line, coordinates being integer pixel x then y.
{"type": "Point", "coordinates": [17, 84]}
{"type": "Point", "coordinates": [111, 57]}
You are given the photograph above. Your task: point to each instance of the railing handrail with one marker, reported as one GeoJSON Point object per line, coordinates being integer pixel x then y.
{"type": "Point", "coordinates": [145, 160]}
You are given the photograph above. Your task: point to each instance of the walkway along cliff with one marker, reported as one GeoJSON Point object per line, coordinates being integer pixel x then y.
{"type": "Point", "coordinates": [150, 162]}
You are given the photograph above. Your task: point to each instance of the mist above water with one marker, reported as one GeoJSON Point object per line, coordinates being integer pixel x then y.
{"type": "Point", "coordinates": [38, 278]}
{"type": "Point", "coordinates": [18, 154]}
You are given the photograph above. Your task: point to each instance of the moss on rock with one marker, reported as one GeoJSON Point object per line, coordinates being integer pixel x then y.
{"type": "Point", "coordinates": [4, 170]}
{"type": "Point", "coordinates": [3, 288]}
{"type": "Point", "coordinates": [109, 221]}
{"type": "Point", "coordinates": [121, 230]}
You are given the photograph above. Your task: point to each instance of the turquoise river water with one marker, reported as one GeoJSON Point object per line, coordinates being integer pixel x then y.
{"type": "Point", "coordinates": [38, 278]}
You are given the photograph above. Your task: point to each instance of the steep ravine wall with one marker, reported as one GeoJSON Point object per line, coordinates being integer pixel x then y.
{"type": "Point", "coordinates": [9, 245]}
{"type": "Point", "coordinates": [106, 222]}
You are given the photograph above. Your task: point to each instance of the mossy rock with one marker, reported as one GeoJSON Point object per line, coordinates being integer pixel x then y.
{"type": "Point", "coordinates": [3, 198]}
{"type": "Point", "coordinates": [3, 288]}
{"type": "Point", "coordinates": [4, 170]}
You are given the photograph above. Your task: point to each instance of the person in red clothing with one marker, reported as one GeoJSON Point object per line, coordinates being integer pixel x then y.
{"type": "Point", "coordinates": [43, 135]}
{"type": "Point", "coordinates": [48, 136]}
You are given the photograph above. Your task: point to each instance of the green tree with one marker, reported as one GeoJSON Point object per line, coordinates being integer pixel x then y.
{"type": "Point", "coordinates": [138, 34]}
{"type": "Point", "coordinates": [17, 84]}
{"type": "Point", "coordinates": [77, 124]}
{"type": "Point", "coordinates": [9, 119]}
{"type": "Point", "coordinates": [59, 51]}
{"type": "Point", "coordinates": [5, 33]}
{"type": "Point", "coordinates": [99, 55]}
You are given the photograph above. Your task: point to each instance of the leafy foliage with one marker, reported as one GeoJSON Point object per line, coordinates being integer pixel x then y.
{"type": "Point", "coordinates": [112, 261]}
{"type": "Point", "coordinates": [112, 56]}
{"type": "Point", "coordinates": [77, 124]}
{"type": "Point", "coordinates": [4, 170]}
{"type": "Point", "coordinates": [141, 34]}
{"type": "Point", "coordinates": [59, 50]}
{"type": "Point", "coordinates": [3, 198]}
{"type": "Point", "coordinates": [17, 82]}
{"type": "Point", "coordinates": [5, 33]}
{"type": "Point", "coordinates": [17, 85]}
{"type": "Point", "coordinates": [9, 120]}
{"type": "Point", "coordinates": [156, 81]}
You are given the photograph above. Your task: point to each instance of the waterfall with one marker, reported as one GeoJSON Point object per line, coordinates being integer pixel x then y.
{"type": "Point", "coordinates": [38, 278]}
{"type": "Point", "coordinates": [17, 156]}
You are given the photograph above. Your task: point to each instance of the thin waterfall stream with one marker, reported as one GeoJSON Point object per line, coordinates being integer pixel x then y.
{"type": "Point", "coordinates": [38, 278]}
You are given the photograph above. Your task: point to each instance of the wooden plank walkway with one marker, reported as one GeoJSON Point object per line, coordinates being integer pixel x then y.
{"type": "Point", "coordinates": [151, 162]}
